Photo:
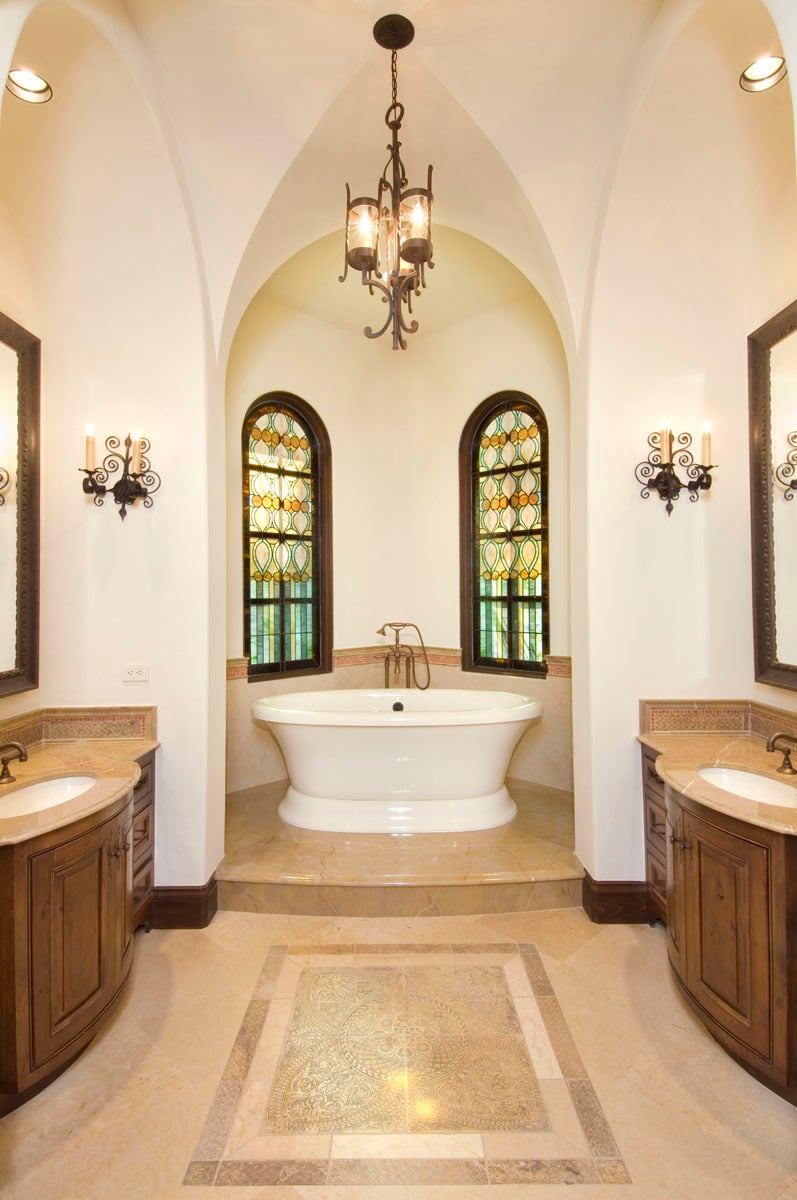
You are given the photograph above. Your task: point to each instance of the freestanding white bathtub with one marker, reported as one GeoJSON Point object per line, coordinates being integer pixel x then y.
{"type": "Point", "coordinates": [397, 761]}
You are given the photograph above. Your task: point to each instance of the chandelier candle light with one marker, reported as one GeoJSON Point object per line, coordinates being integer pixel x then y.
{"type": "Point", "coordinates": [658, 472]}
{"type": "Point", "coordinates": [389, 237]}
{"type": "Point", "coordinates": [137, 480]}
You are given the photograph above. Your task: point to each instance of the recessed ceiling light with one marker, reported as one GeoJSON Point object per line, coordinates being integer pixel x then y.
{"type": "Point", "coordinates": [27, 85]}
{"type": "Point", "coordinates": [764, 73]}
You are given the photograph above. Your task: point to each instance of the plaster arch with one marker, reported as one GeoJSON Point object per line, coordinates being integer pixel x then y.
{"type": "Point", "coordinates": [475, 192]}
{"type": "Point", "coordinates": [697, 245]}
{"type": "Point", "coordinates": [91, 190]}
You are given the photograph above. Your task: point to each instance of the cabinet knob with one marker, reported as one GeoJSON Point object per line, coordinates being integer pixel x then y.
{"type": "Point", "coordinates": [676, 841]}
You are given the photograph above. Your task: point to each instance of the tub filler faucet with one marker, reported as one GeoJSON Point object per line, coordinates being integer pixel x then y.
{"type": "Point", "coordinates": [399, 651]}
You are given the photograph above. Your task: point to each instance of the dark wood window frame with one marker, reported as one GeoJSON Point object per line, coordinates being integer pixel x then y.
{"type": "Point", "coordinates": [468, 478]}
{"type": "Point", "coordinates": [317, 434]}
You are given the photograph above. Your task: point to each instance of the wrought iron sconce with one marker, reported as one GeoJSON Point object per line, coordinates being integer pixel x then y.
{"type": "Point", "coordinates": [657, 472]}
{"type": "Point", "coordinates": [5, 479]}
{"type": "Point", "coordinates": [137, 481]}
{"type": "Point", "coordinates": [786, 472]}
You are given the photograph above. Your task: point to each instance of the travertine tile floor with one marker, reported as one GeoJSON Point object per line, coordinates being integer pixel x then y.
{"type": "Point", "coordinates": [125, 1120]}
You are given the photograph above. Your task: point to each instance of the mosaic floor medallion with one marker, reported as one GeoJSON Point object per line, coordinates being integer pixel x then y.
{"type": "Point", "coordinates": [404, 1064]}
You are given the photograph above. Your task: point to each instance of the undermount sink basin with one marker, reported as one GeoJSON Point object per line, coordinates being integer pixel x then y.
{"type": "Point", "coordinates": [37, 796]}
{"type": "Point", "coordinates": [751, 786]}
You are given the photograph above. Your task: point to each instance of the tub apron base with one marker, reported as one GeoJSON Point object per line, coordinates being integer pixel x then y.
{"type": "Point", "coordinates": [397, 815]}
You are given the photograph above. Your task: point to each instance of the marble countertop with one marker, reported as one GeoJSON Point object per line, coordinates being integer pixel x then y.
{"type": "Point", "coordinates": [111, 760]}
{"type": "Point", "coordinates": [682, 755]}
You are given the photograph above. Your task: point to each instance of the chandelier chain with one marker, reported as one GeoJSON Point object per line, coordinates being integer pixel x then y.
{"type": "Point", "coordinates": [394, 74]}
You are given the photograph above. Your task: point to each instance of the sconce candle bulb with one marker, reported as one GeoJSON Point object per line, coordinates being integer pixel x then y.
{"type": "Point", "coordinates": [91, 460]}
{"type": "Point", "coordinates": [665, 442]}
{"type": "Point", "coordinates": [137, 480]}
{"type": "Point", "coordinates": [658, 471]}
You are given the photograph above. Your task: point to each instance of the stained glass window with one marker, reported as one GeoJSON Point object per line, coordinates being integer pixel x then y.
{"type": "Point", "coordinates": [287, 572]}
{"type": "Point", "coordinates": [504, 469]}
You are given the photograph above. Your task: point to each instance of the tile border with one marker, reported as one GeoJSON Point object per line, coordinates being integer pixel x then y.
{"type": "Point", "coordinates": [715, 716]}
{"type": "Point", "coordinates": [82, 723]}
{"type": "Point", "coordinates": [209, 1168]}
{"type": "Point", "coordinates": [559, 666]}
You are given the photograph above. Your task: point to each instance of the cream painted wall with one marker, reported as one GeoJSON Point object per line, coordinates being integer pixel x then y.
{"type": "Point", "coordinates": [395, 421]}
{"type": "Point", "coordinates": [699, 247]}
{"type": "Point", "coordinates": [94, 201]}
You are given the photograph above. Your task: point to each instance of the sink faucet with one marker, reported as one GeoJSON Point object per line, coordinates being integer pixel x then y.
{"type": "Point", "coordinates": [7, 752]}
{"type": "Point", "coordinates": [772, 745]}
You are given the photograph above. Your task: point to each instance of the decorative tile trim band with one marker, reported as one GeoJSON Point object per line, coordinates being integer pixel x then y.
{"type": "Point", "coordinates": [69, 724]}
{"type": "Point", "coordinates": [559, 666]}
{"type": "Point", "coordinates": [234, 1148]}
{"type": "Point", "coordinates": [714, 716]}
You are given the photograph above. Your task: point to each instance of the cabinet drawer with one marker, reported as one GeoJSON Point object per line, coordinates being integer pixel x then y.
{"type": "Point", "coordinates": [142, 792]}
{"type": "Point", "coordinates": [143, 834]}
{"type": "Point", "coordinates": [655, 825]}
{"type": "Point", "coordinates": [650, 780]}
{"type": "Point", "coordinates": [142, 888]}
{"type": "Point", "coordinates": [656, 872]}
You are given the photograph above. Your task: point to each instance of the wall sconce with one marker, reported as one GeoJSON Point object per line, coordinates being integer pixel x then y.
{"type": "Point", "coordinates": [786, 472]}
{"type": "Point", "coordinates": [137, 481]}
{"type": "Point", "coordinates": [5, 479]}
{"type": "Point", "coordinates": [657, 471]}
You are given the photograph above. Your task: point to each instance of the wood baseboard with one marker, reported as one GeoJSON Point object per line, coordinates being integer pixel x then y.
{"type": "Point", "coordinates": [184, 907]}
{"type": "Point", "coordinates": [615, 902]}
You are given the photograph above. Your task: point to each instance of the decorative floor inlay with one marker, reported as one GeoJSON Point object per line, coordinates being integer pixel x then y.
{"type": "Point", "coordinates": [404, 1065]}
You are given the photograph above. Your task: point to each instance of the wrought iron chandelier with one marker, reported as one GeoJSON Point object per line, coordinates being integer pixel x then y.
{"type": "Point", "coordinates": [389, 237]}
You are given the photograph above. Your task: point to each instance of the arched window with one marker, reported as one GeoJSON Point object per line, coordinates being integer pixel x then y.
{"type": "Point", "coordinates": [504, 536]}
{"type": "Point", "coordinates": [287, 538]}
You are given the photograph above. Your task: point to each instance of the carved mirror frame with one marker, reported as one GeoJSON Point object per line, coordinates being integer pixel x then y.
{"type": "Point", "coordinates": [24, 675]}
{"type": "Point", "coordinates": [768, 669]}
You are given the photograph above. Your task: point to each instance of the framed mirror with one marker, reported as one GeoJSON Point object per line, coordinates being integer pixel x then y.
{"type": "Point", "coordinates": [772, 379]}
{"type": "Point", "coordinates": [19, 508]}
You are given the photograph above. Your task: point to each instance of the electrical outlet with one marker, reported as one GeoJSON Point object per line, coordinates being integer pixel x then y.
{"type": "Point", "coordinates": [135, 672]}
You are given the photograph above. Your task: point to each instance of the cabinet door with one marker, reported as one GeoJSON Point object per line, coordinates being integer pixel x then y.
{"type": "Point", "coordinates": [122, 885]}
{"type": "Point", "coordinates": [728, 959]}
{"type": "Point", "coordinates": [675, 886]}
{"type": "Point", "coordinates": [71, 939]}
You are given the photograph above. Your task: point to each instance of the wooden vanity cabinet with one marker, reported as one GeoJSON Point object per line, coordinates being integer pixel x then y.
{"type": "Point", "coordinates": [732, 934]}
{"type": "Point", "coordinates": [144, 842]}
{"type": "Point", "coordinates": [655, 837]}
{"type": "Point", "coordinates": [66, 944]}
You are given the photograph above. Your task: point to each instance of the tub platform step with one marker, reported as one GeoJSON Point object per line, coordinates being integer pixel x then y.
{"type": "Point", "coordinates": [526, 864]}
